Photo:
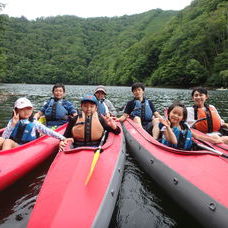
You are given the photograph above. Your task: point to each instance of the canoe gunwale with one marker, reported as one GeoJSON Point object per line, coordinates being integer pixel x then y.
{"type": "Point", "coordinates": [205, 209]}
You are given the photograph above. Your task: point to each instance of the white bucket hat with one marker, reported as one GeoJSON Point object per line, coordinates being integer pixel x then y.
{"type": "Point", "coordinates": [22, 103]}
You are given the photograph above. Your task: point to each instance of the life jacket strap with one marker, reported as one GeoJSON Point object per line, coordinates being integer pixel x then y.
{"type": "Point", "coordinates": [208, 117]}
{"type": "Point", "coordinates": [20, 131]}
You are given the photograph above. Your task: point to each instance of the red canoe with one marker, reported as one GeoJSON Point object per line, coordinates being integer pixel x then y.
{"type": "Point", "coordinates": [16, 162]}
{"type": "Point", "coordinates": [65, 200]}
{"type": "Point", "coordinates": [196, 180]}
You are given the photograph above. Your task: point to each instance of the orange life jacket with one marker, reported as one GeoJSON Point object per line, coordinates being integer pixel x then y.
{"type": "Point", "coordinates": [87, 129]}
{"type": "Point", "coordinates": [211, 120]}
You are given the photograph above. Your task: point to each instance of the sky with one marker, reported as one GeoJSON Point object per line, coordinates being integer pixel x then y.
{"type": "Point", "coordinates": [32, 9]}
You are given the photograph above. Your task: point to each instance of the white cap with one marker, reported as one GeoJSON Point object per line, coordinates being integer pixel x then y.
{"type": "Point", "coordinates": [22, 103]}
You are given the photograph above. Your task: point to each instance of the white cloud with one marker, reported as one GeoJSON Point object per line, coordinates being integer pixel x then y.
{"type": "Point", "coordinates": [87, 8]}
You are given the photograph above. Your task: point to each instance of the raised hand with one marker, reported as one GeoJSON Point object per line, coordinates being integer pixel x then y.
{"type": "Point", "coordinates": [165, 122]}
{"type": "Point", "coordinates": [110, 122]}
{"type": "Point", "coordinates": [15, 118]}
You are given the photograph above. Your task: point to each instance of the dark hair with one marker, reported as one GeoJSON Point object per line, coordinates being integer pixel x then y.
{"type": "Point", "coordinates": [137, 85]}
{"type": "Point", "coordinates": [178, 104]}
{"type": "Point", "coordinates": [58, 85]}
{"type": "Point", "coordinates": [201, 90]}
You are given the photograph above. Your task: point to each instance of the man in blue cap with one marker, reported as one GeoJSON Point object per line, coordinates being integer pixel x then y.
{"type": "Point", "coordinates": [88, 127]}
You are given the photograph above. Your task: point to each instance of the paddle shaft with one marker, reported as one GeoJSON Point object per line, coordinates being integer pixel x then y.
{"type": "Point", "coordinates": [219, 153]}
{"type": "Point", "coordinates": [102, 141]}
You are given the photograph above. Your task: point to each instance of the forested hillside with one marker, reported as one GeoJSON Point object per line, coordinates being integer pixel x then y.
{"type": "Point", "coordinates": [160, 48]}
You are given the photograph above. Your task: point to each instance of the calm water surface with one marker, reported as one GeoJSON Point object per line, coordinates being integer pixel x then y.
{"type": "Point", "coordinates": [141, 202]}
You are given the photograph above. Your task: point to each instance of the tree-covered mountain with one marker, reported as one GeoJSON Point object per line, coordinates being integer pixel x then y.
{"type": "Point", "coordinates": [161, 48]}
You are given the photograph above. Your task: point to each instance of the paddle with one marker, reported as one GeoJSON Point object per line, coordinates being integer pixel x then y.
{"type": "Point", "coordinates": [95, 157]}
{"type": "Point", "coordinates": [219, 153]}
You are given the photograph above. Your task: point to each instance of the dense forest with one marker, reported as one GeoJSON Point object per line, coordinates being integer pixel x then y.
{"type": "Point", "coordinates": [160, 48]}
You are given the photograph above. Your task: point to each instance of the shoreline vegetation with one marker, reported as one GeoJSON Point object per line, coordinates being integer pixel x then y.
{"type": "Point", "coordinates": [180, 49]}
{"type": "Point", "coordinates": [4, 93]}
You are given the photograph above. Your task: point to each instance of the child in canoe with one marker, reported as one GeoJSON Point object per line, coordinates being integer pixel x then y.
{"type": "Point", "coordinates": [88, 127]}
{"type": "Point", "coordinates": [175, 132]}
{"type": "Point", "coordinates": [22, 128]}
{"type": "Point", "coordinates": [57, 110]}
{"type": "Point", "coordinates": [140, 109]}
{"type": "Point", "coordinates": [202, 116]}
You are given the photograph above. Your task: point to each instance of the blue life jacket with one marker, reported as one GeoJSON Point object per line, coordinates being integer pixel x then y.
{"type": "Point", "coordinates": [184, 139]}
{"type": "Point", "coordinates": [56, 110]}
{"type": "Point", "coordinates": [142, 110]}
{"type": "Point", "coordinates": [23, 132]}
{"type": "Point", "coordinates": [101, 107]}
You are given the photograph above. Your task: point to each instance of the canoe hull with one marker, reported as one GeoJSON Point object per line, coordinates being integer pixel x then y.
{"type": "Point", "coordinates": [15, 163]}
{"type": "Point", "coordinates": [66, 198]}
{"type": "Point", "coordinates": [181, 186]}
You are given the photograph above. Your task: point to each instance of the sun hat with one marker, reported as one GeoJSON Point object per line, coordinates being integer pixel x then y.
{"type": "Point", "coordinates": [101, 88]}
{"type": "Point", "coordinates": [22, 103]}
{"type": "Point", "coordinates": [90, 98]}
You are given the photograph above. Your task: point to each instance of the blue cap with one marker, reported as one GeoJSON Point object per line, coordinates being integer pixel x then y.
{"type": "Point", "coordinates": [90, 98]}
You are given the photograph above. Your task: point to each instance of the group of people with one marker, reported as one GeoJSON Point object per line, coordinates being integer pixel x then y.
{"type": "Point", "coordinates": [85, 128]}
{"type": "Point", "coordinates": [97, 114]}
{"type": "Point", "coordinates": [174, 129]}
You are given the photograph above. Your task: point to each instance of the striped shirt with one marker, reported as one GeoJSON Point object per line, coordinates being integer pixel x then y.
{"type": "Point", "coordinates": [37, 127]}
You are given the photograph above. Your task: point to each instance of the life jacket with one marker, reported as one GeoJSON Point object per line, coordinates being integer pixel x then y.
{"type": "Point", "coordinates": [211, 120]}
{"type": "Point", "coordinates": [56, 110]}
{"type": "Point", "coordinates": [24, 132]}
{"type": "Point", "coordinates": [102, 107]}
{"type": "Point", "coordinates": [142, 110]}
{"type": "Point", "coordinates": [87, 131]}
{"type": "Point", "coordinates": [184, 138]}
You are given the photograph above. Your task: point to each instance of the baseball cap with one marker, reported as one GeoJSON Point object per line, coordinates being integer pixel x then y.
{"type": "Point", "coordinates": [100, 88]}
{"type": "Point", "coordinates": [22, 103]}
{"type": "Point", "coordinates": [90, 98]}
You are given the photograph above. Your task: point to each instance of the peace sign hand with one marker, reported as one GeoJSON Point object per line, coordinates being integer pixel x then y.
{"type": "Point", "coordinates": [15, 118]}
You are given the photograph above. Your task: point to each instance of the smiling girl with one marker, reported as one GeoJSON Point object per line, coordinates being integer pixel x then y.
{"type": "Point", "coordinates": [22, 128]}
{"type": "Point", "coordinates": [175, 132]}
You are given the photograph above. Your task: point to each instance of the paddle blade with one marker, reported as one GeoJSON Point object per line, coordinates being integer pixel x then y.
{"type": "Point", "coordinates": [93, 164]}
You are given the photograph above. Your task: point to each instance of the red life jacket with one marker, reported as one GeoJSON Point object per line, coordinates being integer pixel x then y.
{"type": "Point", "coordinates": [211, 120]}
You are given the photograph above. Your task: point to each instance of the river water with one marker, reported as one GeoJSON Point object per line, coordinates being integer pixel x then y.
{"type": "Point", "coordinates": [141, 203]}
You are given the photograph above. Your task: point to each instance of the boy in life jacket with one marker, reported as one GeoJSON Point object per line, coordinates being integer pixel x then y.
{"type": "Point", "coordinates": [204, 117]}
{"type": "Point", "coordinates": [175, 132]}
{"type": "Point", "coordinates": [87, 127]}
{"type": "Point", "coordinates": [140, 109]}
{"type": "Point", "coordinates": [57, 110]}
{"type": "Point", "coordinates": [22, 128]}
{"type": "Point", "coordinates": [105, 106]}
